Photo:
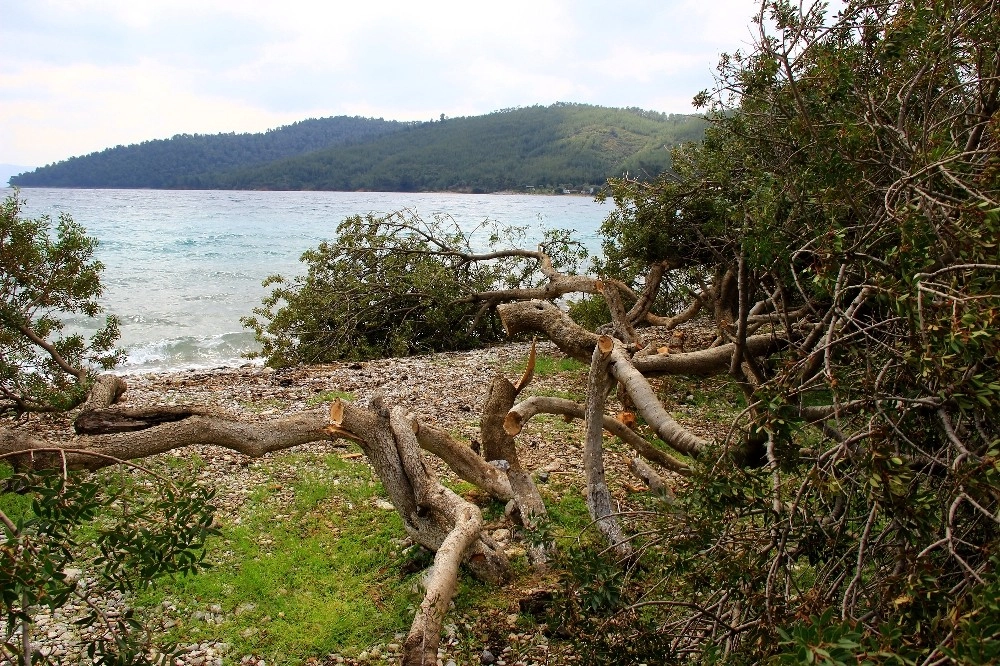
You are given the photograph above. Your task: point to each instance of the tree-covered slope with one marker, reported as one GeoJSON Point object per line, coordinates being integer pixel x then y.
{"type": "Point", "coordinates": [559, 145]}
{"type": "Point", "coordinates": [563, 145]}
{"type": "Point", "coordinates": [178, 162]}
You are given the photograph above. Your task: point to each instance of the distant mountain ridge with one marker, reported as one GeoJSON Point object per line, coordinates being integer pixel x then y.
{"type": "Point", "coordinates": [561, 146]}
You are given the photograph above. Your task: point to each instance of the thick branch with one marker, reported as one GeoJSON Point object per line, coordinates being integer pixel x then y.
{"type": "Point", "coordinates": [649, 476]}
{"type": "Point", "coordinates": [647, 404]}
{"type": "Point", "coordinates": [252, 439]}
{"type": "Point", "coordinates": [705, 362]}
{"type": "Point", "coordinates": [649, 291]}
{"type": "Point", "coordinates": [544, 317]}
{"type": "Point", "coordinates": [687, 314]}
{"type": "Point", "coordinates": [526, 409]}
{"type": "Point", "coordinates": [499, 445]}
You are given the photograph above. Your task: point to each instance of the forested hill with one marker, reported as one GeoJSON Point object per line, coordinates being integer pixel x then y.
{"type": "Point", "coordinates": [175, 162]}
{"type": "Point", "coordinates": [558, 146]}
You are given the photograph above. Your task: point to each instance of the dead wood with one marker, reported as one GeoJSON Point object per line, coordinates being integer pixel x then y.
{"type": "Point", "coordinates": [105, 421]}
{"type": "Point", "coordinates": [524, 410]}
{"type": "Point", "coordinates": [106, 390]}
{"type": "Point", "coordinates": [499, 445]}
{"type": "Point", "coordinates": [544, 317]}
{"type": "Point", "coordinates": [623, 328]}
{"type": "Point", "coordinates": [646, 402]}
{"type": "Point", "coordinates": [466, 464]}
{"type": "Point", "coordinates": [598, 494]}
{"type": "Point", "coordinates": [651, 478]}
{"type": "Point", "coordinates": [428, 509]}
{"type": "Point", "coordinates": [651, 287]}
{"type": "Point", "coordinates": [437, 504]}
{"type": "Point", "coordinates": [252, 439]}
{"type": "Point", "coordinates": [705, 362]}
{"type": "Point", "coordinates": [558, 284]}
{"type": "Point", "coordinates": [685, 315]}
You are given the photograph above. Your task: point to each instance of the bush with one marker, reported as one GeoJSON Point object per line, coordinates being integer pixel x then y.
{"type": "Point", "coordinates": [396, 285]}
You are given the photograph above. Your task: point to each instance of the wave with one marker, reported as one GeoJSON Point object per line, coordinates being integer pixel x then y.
{"type": "Point", "coordinates": [189, 352]}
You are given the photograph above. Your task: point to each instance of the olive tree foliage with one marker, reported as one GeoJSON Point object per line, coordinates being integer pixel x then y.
{"type": "Point", "coordinates": [396, 285]}
{"type": "Point", "coordinates": [131, 536]}
{"type": "Point", "coordinates": [44, 278]}
{"type": "Point", "coordinates": [847, 198]}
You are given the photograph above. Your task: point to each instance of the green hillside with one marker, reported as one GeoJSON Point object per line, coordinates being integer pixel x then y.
{"type": "Point", "coordinates": [181, 160]}
{"type": "Point", "coordinates": [558, 146]}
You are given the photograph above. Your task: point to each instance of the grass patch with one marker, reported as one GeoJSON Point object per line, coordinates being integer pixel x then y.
{"type": "Point", "coordinates": [575, 396]}
{"type": "Point", "coordinates": [568, 512]}
{"type": "Point", "coordinates": [547, 365]}
{"type": "Point", "coordinates": [311, 569]}
{"type": "Point", "coordinates": [329, 396]}
{"type": "Point", "coordinates": [14, 506]}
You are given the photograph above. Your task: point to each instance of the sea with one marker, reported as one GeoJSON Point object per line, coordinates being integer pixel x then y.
{"type": "Point", "coordinates": [182, 267]}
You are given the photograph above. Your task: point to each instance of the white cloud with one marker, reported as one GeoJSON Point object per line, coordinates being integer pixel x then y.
{"type": "Point", "coordinates": [81, 75]}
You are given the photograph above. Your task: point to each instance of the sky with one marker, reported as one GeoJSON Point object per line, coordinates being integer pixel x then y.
{"type": "Point", "coordinates": [78, 76]}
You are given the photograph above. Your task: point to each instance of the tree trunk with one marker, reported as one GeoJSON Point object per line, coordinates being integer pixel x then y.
{"type": "Point", "coordinates": [598, 494]}
{"type": "Point", "coordinates": [499, 445]}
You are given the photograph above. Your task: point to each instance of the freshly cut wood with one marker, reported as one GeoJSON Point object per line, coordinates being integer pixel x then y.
{"type": "Point", "coordinates": [524, 410]}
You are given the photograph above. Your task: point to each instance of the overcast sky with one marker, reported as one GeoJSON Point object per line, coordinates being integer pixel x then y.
{"type": "Point", "coordinates": [78, 76]}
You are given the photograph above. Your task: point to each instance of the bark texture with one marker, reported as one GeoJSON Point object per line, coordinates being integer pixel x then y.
{"type": "Point", "coordinates": [646, 402]}
{"type": "Point", "coordinates": [599, 501]}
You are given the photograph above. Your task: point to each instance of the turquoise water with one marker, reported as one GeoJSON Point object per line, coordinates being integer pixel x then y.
{"type": "Point", "coordinates": [182, 267]}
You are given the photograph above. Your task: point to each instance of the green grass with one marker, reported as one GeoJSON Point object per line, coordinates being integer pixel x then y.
{"type": "Point", "coordinates": [329, 396]}
{"type": "Point", "coordinates": [548, 365]}
{"type": "Point", "coordinates": [575, 396]}
{"type": "Point", "coordinates": [319, 573]}
{"type": "Point", "coordinates": [568, 513]}
{"type": "Point", "coordinates": [14, 506]}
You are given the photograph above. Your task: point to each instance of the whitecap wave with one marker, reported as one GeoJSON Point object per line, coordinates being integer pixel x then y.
{"type": "Point", "coordinates": [189, 352]}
